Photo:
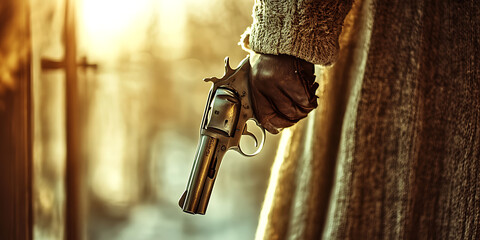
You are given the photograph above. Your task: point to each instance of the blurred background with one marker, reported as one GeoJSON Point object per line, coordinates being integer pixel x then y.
{"type": "Point", "coordinates": [118, 98]}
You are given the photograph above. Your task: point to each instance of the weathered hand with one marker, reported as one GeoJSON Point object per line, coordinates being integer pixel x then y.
{"type": "Point", "coordinates": [283, 90]}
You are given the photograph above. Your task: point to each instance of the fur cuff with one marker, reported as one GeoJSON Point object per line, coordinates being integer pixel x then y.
{"type": "Point", "coordinates": [307, 29]}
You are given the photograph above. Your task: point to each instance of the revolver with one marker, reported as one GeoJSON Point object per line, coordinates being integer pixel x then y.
{"type": "Point", "coordinates": [224, 122]}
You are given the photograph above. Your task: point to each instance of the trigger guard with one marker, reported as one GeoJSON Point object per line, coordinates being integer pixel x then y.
{"type": "Point", "coordinates": [260, 147]}
{"type": "Point", "coordinates": [247, 133]}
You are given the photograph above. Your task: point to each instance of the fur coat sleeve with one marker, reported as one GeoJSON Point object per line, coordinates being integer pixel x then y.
{"type": "Point", "coordinates": [307, 29]}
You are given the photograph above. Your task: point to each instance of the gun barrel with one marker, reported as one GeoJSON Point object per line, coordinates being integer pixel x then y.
{"type": "Point", "coordinates": [202, 177]}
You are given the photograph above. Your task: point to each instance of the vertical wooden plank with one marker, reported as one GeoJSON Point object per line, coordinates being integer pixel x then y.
{"type": "Point", "coordinates": [74, 168]}
{"type": "Point", "coordinates": [15, 121]}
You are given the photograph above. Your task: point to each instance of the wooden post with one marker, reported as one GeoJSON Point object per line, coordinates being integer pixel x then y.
{"type": "Point", "coordinates": [74, 167]}
{"type": "Point", "coordinates": [16, 218]}
{"type": "Point", "coordinates": [74, 172]}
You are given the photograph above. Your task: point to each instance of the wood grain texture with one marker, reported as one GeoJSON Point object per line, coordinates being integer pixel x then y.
{"type": "Point", "coordinates": [15, 124]}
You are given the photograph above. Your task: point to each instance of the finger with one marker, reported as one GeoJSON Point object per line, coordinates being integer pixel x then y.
{"type": "Point", "coordinates": [269, 127]}
{"type": "Point", "coordinates": [312, 103]}
{"type": "Point", "coordinates": [301, 92]}
{"type": "Point", "coordinates": [275, 123]}
{"type": "Point", "coordinates": [262, 107]}
{"type": "Point", "coordinates": [313, 89]}
{"type": "Point", "coordinates": [285, 107]}
{"type": "Point", "coordinates": [274, 120]}
{"type": "Point", "coordinates": [281, 123]}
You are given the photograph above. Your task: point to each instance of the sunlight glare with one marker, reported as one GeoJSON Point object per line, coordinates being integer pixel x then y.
{"type": "Point", "coordinates": [111, 16]}
{"type": "Point", "coordinates": [109, 28]}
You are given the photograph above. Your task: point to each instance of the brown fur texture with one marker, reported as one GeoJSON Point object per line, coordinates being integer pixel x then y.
{"type": "Point", "coordinates": [307, 29]}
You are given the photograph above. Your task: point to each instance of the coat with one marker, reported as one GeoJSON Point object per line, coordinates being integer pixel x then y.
{"type": "Point", "coordinates": [393, 150]}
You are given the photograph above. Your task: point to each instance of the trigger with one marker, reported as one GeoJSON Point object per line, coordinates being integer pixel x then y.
{"type": "Point", "coordinates": [247, 133]}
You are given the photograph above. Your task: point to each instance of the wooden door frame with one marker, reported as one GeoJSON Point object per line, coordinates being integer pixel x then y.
{"type": "Point", "coordinates": [16, 218]}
